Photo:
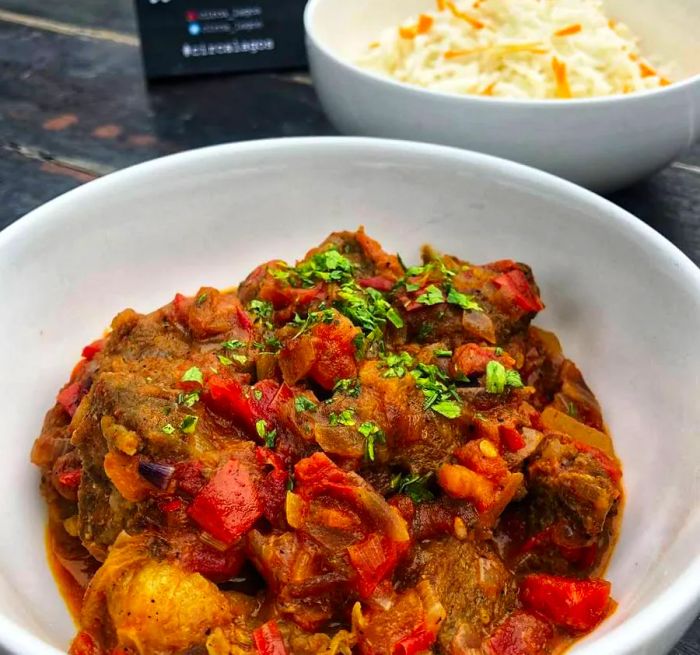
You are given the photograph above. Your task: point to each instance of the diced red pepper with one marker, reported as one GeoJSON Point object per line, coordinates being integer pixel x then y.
{"type": "Point", "coordinates": [521, 633]}
{"type": "Point", "coordinates": [70, 478]}
{"type": "Point", "coordinates": [273, 490]}
{"type": "Point", "coordinates": [418, 641]}
{"type": "Point", "coordinates": [579, 605]}
{"type": "Point", "coordinates": [516, 288]}
{"type": "Point", "coordinates": [69, 397]}
{"type": "Point", "coordinates": [93, 348]}
{"type": "Point", "coordinates": [471, 358]}
{"type": "Point", "coordinates": [243, 404]}
{"type": "Point", "coordinates": [318, 474]}
{"type": "Point", "coordinates": [511, 438]}
{"type": "Point", "coordinates": [268, 640]}
{"type": "Point", "coordinates": [377, 282]}
{"type": "Point", "coordinates": [373, 559]}
{"type": "Point", "coordinates": [334, 346]}
{"type": "Point", "coordinates": [169, 505]}
{"type": "Point", "coordinates": [244, 319]}
{"type": "Point", "coordinates": [229, 505]}
{"type": "Point", "coordinates": [215, 565]}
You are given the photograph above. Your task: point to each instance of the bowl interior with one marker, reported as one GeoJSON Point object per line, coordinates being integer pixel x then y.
{"type": "Point", "coordinates": [624, 302]}
{"type": "Point", "coordinates": [345, 28]}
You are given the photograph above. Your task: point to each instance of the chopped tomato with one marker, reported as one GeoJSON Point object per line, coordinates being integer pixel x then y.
{"type": "Point", "coordinates": [511, 438]}
{"type": "Point", "coordinates": [517, 289]}
{"type": "Point", "coordinates": [93, 348]}
{"type": "Point", "coordinates": [377, 282]}
{"type": "Point", "coordinates": [69, 397]}
{"type": "Point", "coordinates": [273, 490]}
{"type": "Point", "coordinates": [213, 564]}
{"type": "Point", "coordinates": [521, 633]}
{"type": "Point", "coordinates": [579, 605]}
{"type": "Point", "coordinates": [229, 505]}
{"type": "Point", "coordinates": [384, 263]}
{"type": "Point", "coordinates": [243, 404]}
{"type": "Point", "coordinates": [373, 559]}
{"type": "Point", "coordinates": [471, 359]}
{"type": "Point", "coordinates": [70, 478]}
{"type": "Point", "coordinates": [418, 641]}
{"type": "Point", "coordinates": [268, 640]}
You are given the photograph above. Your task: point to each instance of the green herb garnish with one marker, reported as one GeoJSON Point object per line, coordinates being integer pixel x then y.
{"type": "Point", "coordinates": [233, 344]}
{"type": "Point", "coordinates": [346, 417]}
{"type": "Point", "coordinates": [268, 436]}
{"type": "Point", "coordinates": [431, 296]}
{"type": "Point", "coordinates": [189, 423]}
{"type": "Point", "coordinates": [193, 374]}
{"type": "Point", "coordinates": [498, 377]}
{"type": "Point", "coordinates": [350, 386]}
{"type": "Point", "coordinates": [303, 404]}
{"type": "Point", "coordinates": [397, 365]}
{"type": "Point", "coordinates": [462, 300]}
{"type": "Point", "coordinates": [413, 485]}
{"type": "Point", "coordinates": [373, 435]}
{"type": "Point", "coordinates": [224, 360]}
{"type": "Point", "coordinates": [440, 394]}
{"type": "Point", "coordinates": [188, 399]}
{"type": "Point", "coordinates": [168, 428]}
{"type": "Point", "coordinates": [201, 298]}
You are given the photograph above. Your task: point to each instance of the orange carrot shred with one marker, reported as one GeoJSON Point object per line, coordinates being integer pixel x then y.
{"type": "Point", "coordinates": [474, 22]}
{"type": "Point", "coordinates": [488, 91]}
{"type": "Point", "coordinates": [563, 90]}
{"type": "Point", "coordinates": [647, 71]}
{"type": "Point", "coordinates": [407, 32]}
{"type": "Point", "coordinates": [374, 44]}
{"type": "Point", "coordinates": [665, 81]}
{"type": "Point", "coordinates": [441, 5]}
{"type": "Point", "coordinates": [568, 31]}
{"type": "Point", "coordinates": [507, 48]}
{"type": "Point", "coordinates": [425, 22]}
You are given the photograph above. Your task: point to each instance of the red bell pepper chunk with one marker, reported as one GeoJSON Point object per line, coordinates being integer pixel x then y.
{"type": "Point", "coordinates": [579, 605]}
{"type": "Point", "coordinates": [268, 639]}
{"type": "Point", "coordinates": [520, 633]}
{"type": "Point", "coordinates": [511, 438]}
{"type": "Point", "coordinates": [93, 348]}
{"type": "Point", "coordinates": [373, 559]}
{"type": "Point", "coordinates": [377, 282]}
{"type": "Point", "coordinates": [215, 565]}
{"type": "Point", "coordinates": [70, 478]}
{"type": "Point", "coordinates": [69, 397]}
{"type": "Point", "coordinates": [246, 405]}
{"type": "Point", "coordinates": [515, 286]}
{"type": "Point", "coordinates": [229, 505]}
{"type": "Point", "coordinates": [418, 641]}
{"type": "Point", "coordinates": [244, 319]}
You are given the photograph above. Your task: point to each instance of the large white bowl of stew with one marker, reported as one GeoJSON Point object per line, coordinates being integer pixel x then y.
{"type": "Point", "coordinates": [624, 303]}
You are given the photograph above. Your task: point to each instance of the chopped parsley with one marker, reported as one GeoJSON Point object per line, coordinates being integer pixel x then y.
{"type": "Point", "coordinates": [443, 353]}
{"type": "Point", "coordinates": [240, 359]}
{"type": "Point", "coordinates": [168, 428]}
{"type": "Point", "coordinates": [397, 365]}
{"type": "Point", "coordinates": [432, 295]}
{"type": "Point", "coordinates": [271, 345]}
{"type": "Point", "coordinates": [498, 377]}
{"type": "Point", "coordinates": [188, 399]}
{"type": "Point", "coordinates": [350, 386]}
{"type": "Point", "coordinates": [261, 308]}
{"type": "Point", "coordinates": [303, 404]}
{"type": "Point", "coordinates": [233, 344]}
{"type": "Point", "coordinates": [193, 374]}
{"type": "Point", "coordinates": [189, 423]}
{"type": "Point", "coordinates": [373, 435]}
{"type": "Point", "coordinates": [257, 394]}
{"type": "Point", "coordinates": [327, 266]}
{"type": "Point", "coordinates": [571, 409]}
{"type": "Point", "coordinates": [224, 360]}
{"type": "Point", "coordinates": [268, 436]}
{"type": "Point", "coordinates": [413, 485]}
{"type": "Point", "coordinates": [201, 298]}
{"type": "Point", "coordinates": [463, 300]}
{"type": "Point", "coordinates": [346, 417]}
{"type": "Point", "coordinates": [440, 394]}
{"type": "Point", "coordinates": [312, 318]}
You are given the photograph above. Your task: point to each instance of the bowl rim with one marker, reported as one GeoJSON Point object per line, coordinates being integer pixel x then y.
{"type": "Point", "coordinates": [534, 103]}
{"type": "Point", "coordinates": [682, 596]}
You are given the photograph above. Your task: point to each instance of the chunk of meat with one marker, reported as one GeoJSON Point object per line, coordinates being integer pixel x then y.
{"type": "Point", "coordinates": [578, 482]}
{"type": "Point", "coordinates": [471, 583]}
{"type": "Point", "coordinates": [150, 606]}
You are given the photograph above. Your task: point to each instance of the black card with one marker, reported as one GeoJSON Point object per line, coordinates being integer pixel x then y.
{"type": "Point", "coordinates": [188, 37]}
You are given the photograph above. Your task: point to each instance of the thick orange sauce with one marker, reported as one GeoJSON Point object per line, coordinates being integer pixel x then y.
{"type": "Point", "coordinates": [71, 591]}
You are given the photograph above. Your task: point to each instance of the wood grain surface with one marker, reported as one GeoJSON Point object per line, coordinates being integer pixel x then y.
{"type": "Point", "coordinates": [74, 106]}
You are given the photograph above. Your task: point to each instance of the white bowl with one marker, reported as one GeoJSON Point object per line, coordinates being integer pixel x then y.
{"type": "Point", "coordinates": [601, 143]}
{"type": "Point", "coordinates": [625, 303]}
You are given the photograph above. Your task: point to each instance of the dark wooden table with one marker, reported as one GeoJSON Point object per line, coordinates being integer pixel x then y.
{"type": "Point", "coordinates": [74, 106]}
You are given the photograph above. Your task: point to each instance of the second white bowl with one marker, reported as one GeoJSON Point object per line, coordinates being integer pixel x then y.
{"type": "Point", "coordinates": [601, 143]}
